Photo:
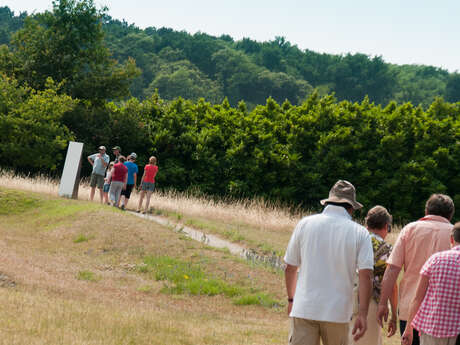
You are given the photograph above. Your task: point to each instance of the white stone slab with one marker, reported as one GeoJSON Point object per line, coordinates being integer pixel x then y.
{"type": "Point", "coordinates": [71, 174]}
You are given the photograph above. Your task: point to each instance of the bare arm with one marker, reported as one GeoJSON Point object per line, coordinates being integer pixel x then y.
{"type": "Point", "coordinates": [290, 274]}
{"type": "Point", "coordinates": [394, 311]}
{"type": "Point", "coordinates": [364, 295]}
{"type": "Point", "coordinates": [135, 180]}
{"type": "Point", "coordinates": [414, 306]}
{"type": "Point", "coordinates": [388, 283]}
{"type": "Point", "coordinates": [90, 161]}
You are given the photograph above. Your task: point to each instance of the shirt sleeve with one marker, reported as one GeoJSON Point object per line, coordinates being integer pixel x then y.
{"type": "Point", "coordinates": [107, 159]}
{"type": "Point", "coordinates": [93, 157]}
{"type": "Point", "coordinates": [365, 253]}
{"type": "Point", "coordinates": [397, 254]}
{"type": "Point", "coordinates": [292, 256]}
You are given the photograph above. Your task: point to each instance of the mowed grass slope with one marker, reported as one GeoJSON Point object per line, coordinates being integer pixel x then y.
{"type": "Point", "coordinates": [90, 274]}
{"type": "Point", "coordinates": [74, 272]}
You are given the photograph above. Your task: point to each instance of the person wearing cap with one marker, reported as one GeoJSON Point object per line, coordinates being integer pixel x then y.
{"type": "Point", "coordinates": [378, 223]}
{"type": "Point", "coordinates": [117, 153]}
{"type": "Point", "coordinates": [322, 257]}
{"type": "Point", "coordinates": [416, 242]}
{"type": "Point", "coordinates": [99, 161]}
{"type": "Point", "coordinates": [132, 179]}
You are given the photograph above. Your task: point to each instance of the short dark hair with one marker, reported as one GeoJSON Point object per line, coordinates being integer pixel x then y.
{"type": "Point", "coordinates": [440, 205]}
{"type": "Point", "coordinates": [122, 159]}
{"type": "Point", "coordinates": [456, 232]}
{"type": "Point", "coordinates": [377, 217]}
{"type": "Point", "coordinates": [345, 205]}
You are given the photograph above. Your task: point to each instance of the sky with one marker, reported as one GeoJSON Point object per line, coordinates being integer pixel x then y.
{"type": "Point", "coordinates": [402, 32]}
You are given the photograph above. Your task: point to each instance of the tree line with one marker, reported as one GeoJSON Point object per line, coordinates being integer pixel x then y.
{"type": "Point", "coordinates": [180, 64]}
{"type": "Point", "coordinates": [396, 154]}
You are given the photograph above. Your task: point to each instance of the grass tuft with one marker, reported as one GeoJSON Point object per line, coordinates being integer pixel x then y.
{"type": "Point", "coordinates": [81, 238]}
{"type": "Point", "coordinates": [88, 276]}
{"type": "Point", "coordinates": [182, 277]}
{"type": "Point", "coordinates": [16, 202]}
{"type": "Point", "coordinates": [257, 299]}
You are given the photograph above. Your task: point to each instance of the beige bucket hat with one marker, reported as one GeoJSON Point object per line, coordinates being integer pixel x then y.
{"type": "Point", "coordinates": [343, 192]}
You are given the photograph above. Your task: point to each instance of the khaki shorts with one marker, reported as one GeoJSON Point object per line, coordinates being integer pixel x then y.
{"type": "Point", "coordinates": [96, 180]}
{"type": "Point", "coordinates": [309, 332]}
{"type": "Point", "coordinates": [426, 339]}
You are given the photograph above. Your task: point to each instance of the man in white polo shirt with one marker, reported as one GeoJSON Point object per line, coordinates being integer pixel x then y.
{"type": "Point", "coordinates": [322, 257]}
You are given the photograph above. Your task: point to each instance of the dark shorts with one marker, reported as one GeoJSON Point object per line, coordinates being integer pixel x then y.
{"type": "Point", "coordinates": [148, 186]}
{"type": "Point", "coordinates": [106, 188]}
{"type": "Point", "coordinates": [96, 180]}
{"type": "Point", "coordinates": [127, 192]}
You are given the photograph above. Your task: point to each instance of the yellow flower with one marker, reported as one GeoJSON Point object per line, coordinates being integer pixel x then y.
{"type": "Point", "coordinates": [186, 276]}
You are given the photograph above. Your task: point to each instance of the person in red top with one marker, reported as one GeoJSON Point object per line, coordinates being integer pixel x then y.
{"type": "Point", "coordinates": [119, 179]}
{"type": "Point", "coordinates": [148, 182]}
{"type": "Point", "coordinates": [435, 309]}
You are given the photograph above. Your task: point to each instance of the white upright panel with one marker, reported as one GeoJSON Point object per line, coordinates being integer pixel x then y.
{"type": "Point", "coordinates": [71, 173]}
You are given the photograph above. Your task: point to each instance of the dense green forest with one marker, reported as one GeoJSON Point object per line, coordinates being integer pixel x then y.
{"type": "Point", "coordinates": [62, 78]}
{"type": "Point", "coordinates": [193, 66]}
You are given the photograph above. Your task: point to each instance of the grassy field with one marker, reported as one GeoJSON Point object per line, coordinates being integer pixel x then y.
{"type": "Point", "coordinates": [76, 272]}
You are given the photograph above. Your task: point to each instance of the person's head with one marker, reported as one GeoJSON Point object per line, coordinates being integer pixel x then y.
{"type": "Point", "coordinates": [116, 150]}
{"type": "Point", "coordinates": [378, 220]}
{"type": "Point", "coordinates": [111, 165]}
{"type": "Point", "coordinates": [440, 205]}
{"type": "Point", "coordinates": [343, 194]}
{"type": "Point", "coordinates": [132, 157]}
{"type": "Point", "coordinates": [455, 236]}
{"type": "Point", "coordinates": [153, 160]}
{"type": "Point", "coordinates": [102, 149]}
{"type": "Point", "coordinates": [122, 159]}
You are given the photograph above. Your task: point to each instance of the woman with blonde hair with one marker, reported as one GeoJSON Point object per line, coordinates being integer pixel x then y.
{"type": "Point", "coordinates": [148, 183]}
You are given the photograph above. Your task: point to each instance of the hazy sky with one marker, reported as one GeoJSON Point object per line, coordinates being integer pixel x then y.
{"type": "Point", "coordinates": [403, 32]}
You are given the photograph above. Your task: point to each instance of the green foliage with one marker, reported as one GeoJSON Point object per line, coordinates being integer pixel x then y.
{"type": "Point", "coordinates": [33, 136]}
{"type": "Point", "coordinates": [70, 43]}
{"type": "Point", "coordinates": [284, 142]}
{"type": "Point", "coordinates": [67, 45]}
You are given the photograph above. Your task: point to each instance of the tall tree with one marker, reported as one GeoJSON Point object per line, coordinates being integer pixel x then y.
{"type": "Point", "coordinates": [67, 44]}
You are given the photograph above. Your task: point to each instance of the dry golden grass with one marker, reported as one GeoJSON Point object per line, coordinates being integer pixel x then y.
{"type": "Point", "coordinates": [49, 305]}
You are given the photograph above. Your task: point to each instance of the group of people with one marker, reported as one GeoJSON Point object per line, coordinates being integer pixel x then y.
{"type": "Point", "coordinates": [117, 179]}
{"type": "Point", "coordinates": [341, 276]}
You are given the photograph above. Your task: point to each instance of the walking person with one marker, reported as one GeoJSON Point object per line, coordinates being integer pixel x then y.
{"type": "Point", "coordinates": [107, 180]}
{"type": "Point", "coordinates": [378, 223]}
{"type": "Point", "coordinates": [435, 309]}
{"type": "Point", "coordinates": [326, 249]}
{"type": "Point", "coordinates": [148, 183]}
{"type": "Point", "coordinates": [415, 244]}
{"type": "Point", "coordinates": [99, 161]}
{"type": "Point", "coordinates": [119, 178]}
{"type": "Point", "coordinates": [132, 179]}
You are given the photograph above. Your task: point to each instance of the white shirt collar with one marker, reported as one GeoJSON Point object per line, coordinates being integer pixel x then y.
{"type": "Point", "coordinates": [373, 234]}
{"type": "Point", "coordinates": [336, 211]}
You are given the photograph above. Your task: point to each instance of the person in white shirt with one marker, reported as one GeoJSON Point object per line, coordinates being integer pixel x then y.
{"type": "Point", "coordinates": [323, 254]}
